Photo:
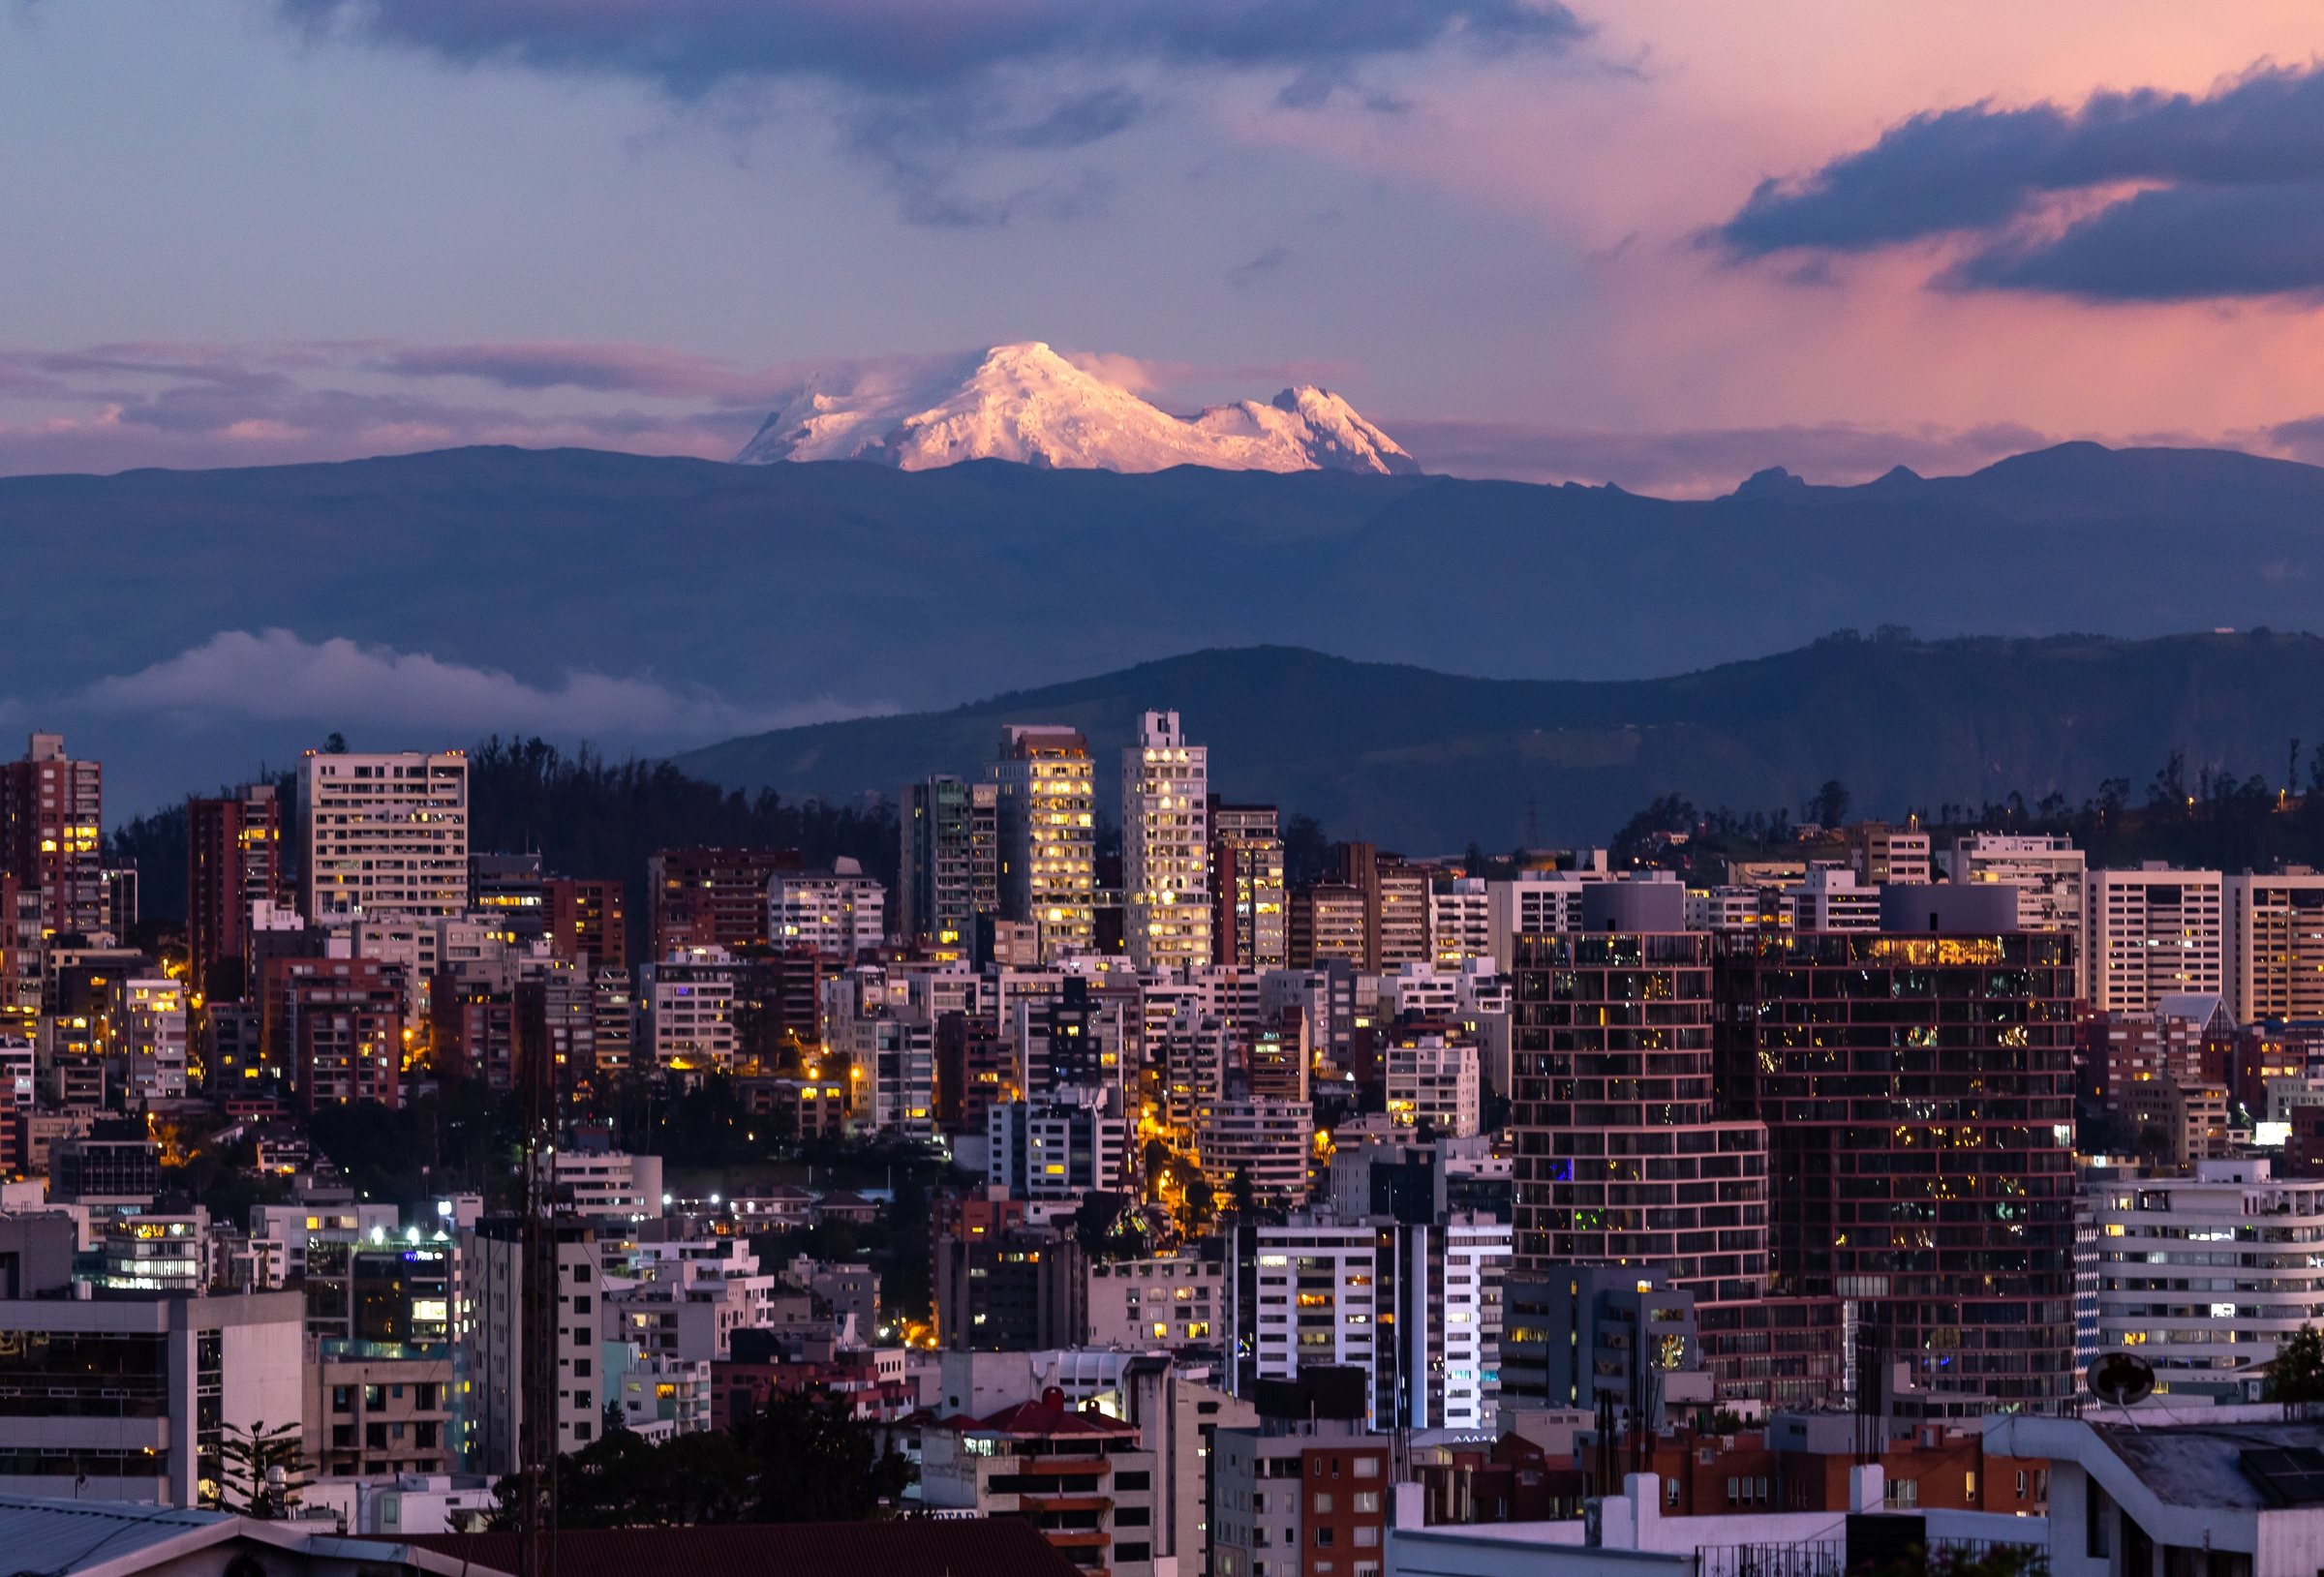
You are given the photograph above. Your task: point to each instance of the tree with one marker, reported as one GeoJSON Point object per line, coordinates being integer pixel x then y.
{"type": "Point", "coordinates": [250, 1459]}
{"type": "Point", "coordinates": [1243, 1193]}
{"type": "Point", "coordinates": [1829, 807]}
{"type": "Point", "coordinates": [2298, 1373]}
{"type": "Point", "coordinates": [819, 1462]}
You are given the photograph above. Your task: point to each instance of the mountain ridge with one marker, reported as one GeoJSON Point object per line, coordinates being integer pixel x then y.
{"type": "Point", "coordinates": [1426, 761]}
{"type": "Point", "coordinates": [1026, 403]}
{"type": "Point", "coordinates": [866, 588]}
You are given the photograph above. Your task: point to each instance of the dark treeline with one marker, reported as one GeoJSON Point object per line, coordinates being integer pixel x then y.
{"type": "Point", "coordinates": [584, 815]}
{"type": "Point", "coordinates": [590, 817]}
{"type": "Point", "coordinates": [2207, 819]}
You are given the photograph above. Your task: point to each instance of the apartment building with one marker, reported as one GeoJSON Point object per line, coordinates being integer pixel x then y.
{"type": "Point", "coordinates": [1251, 925]}
{"type": "Point", "coordinates": [233, 860]}
{"type": "Point", "coordinates": [2275, 945]}
{"type": "Point", "coordinates": [1461, 921]}
{"type": "Point", "coordinates": [1166, 846]}
{"type": "Point", "coordinates": [2206, 1276]}
{"type": "Point", "coordinates": [1880, 855]}
{"type": "Point", "coordinates": [2153, 932]}
{"type": "Point", "coordinates": [51, 818]}
{"type": "Point", "coordinates": [2051, 876]}
{"type": "Point", "coordinates": [840, 913]}
{"type": "Point", "coordinates": [1264, 1141]}
{"type": "Point", "coordinates": [1048, 824]}
{"type": "Point", "coordinates": [950, 872]}
{"type": "Point", "coordinates": [1303, 1494]}
{"type": "Point", "coordinates": [383, 835]}
{"type": "Point", "coordinates": [1433, 1078]}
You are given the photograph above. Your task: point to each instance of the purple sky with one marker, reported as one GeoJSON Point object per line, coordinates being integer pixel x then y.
{"type": "Point", "coordinates": [1662, 244]}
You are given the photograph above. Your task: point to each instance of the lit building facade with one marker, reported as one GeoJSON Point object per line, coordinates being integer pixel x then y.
{"type": "Point", "coordinates": [1048, 824]}
{"type": "Point", "coordinates": [383, 835]}
{"type": "Point", "coordinates": [1917, 1089]}
{"type": "Point", "coordinates": [950, 871]}
{"type": "Point", "coordinates": [1250, 917]}
{"type": "Point", "coordinates": [2153, 932]}
{"type": "Point", "coordinates": [1166, 846]}
{"type": "Point", "coordinates": [51, 812]}
{"type": "Point", "coordinates": [2275, 945]}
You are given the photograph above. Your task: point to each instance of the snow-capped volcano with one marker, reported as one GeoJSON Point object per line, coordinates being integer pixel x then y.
{"type": "Point", "coordinates": [1026, 403]}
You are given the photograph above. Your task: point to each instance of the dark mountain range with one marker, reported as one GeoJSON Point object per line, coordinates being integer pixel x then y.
{"type": "Point", "coordinates": [750, 588]}
{"type": "Point", "coordinates": [1426, 762]}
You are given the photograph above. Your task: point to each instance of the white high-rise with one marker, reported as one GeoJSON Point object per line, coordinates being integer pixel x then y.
{"type": "Point", "coordinates": [2275, 945]}
{"type": "Point", "coordinates": [1166, 846]}
{"type": "Point", "coordinates": [2150, 933]}
{"type": "Point", "coordinates": [383, 835]}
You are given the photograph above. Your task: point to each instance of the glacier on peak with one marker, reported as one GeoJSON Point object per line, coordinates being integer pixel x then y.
{"type": "Point", "coordinates": [1028, 404]}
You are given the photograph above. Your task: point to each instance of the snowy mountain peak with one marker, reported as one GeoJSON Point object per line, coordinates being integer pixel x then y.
{"type": "Point", "coordinates": [1026, 403]}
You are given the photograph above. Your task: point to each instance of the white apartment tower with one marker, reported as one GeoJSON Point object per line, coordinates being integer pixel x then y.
{"type": "Point", "coordinates": [2153, 932]}
{"type": "Point", "coordinates": [2275, 945]}
{"type": "Point", "coordinates": [383, 835]}
{"type": "Point", "coordinates": [1166, 846]}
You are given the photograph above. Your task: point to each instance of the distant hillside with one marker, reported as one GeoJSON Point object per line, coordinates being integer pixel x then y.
{"type": "Point", "coordinates": [848, 586]}
{"type": "Point", "coordinates": [1425, 761]}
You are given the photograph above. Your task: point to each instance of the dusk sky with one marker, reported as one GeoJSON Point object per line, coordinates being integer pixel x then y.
{"type": "Point", "coordinates": [1662, 242]}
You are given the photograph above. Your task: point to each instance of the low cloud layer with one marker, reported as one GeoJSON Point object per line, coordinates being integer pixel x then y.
{"type": "Point", "coordinates": [275, 676]}
{"type": "Point", "coordinates": [2132, 197]}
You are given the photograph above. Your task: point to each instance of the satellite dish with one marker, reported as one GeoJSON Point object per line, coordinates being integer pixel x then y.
{"type": "Point", "coordinates": [2121, 1380]}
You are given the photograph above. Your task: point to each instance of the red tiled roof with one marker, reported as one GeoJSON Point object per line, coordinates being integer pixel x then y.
{"type": "Point", "coordinates": [1031, 1418]}
{"type": "Point", "coordinates": [956, 1547]}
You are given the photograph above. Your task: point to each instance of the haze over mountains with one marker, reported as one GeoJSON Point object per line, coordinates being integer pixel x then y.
{"type": "Point", "coordinates": [658, 605]}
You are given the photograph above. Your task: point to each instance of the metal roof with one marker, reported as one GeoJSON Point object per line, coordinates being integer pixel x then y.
{"type": "Point", "coordinates": [55, 1537]}
{"type": "Point", "coordinates": [950, 1547]}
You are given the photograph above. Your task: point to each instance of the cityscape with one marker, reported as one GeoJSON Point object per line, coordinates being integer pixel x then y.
{"type": "Point", "coordinates": [1161, 788]}
{"type": "Point", "coordinates": [1165, 1157]}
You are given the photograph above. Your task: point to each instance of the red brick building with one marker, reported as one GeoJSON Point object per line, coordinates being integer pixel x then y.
{"type": "Point", "coordinates": [710, 898]}
{"type": "Point", "coordinates": [233, 859]}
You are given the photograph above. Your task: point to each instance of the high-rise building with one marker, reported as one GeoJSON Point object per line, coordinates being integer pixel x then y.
{"type": "Point", "coordinates": [152, 1039]}
{"type": "Point", "coordinates": [51, 812]}
{"type": "Point", "coordinates": [1396, 907]}
{"type": "Point", "coordinates": [511, 888]}
{"type": "Point", "coordinates": [536, 1395]}
{"type": "Point", "coordinates": [1263, 1141]}
{"type": "Point", "coordinates": [710, 898]}
{"type": "Point", "coordinates": [1624, 1151]}
{"type": "Point", "coordinates": [586, 921]}
{"type": "Point", "coordinates": [341, 1025]}
{"type": "Point", "coordinates": [1249, 916]}
{"type": "Point", "coordinates": [2050, 875]}
{"type": "Point", "coordinates": [1166, 846]}
{"type": "Point", "coordinates": [1917, 1087]}
{"type": "Point", "coordinates": [2204, 1335]}
{"type": "Point", "coordinates": [233, 860]}
{"type": "Point", "coordinates": [1883, 856]}
{"type": "Point", "coordinates": [383, 835]}
{"type": "Point", "coordinates": [951, 867]}
{"type": "Point", "coordinates": [1461, 921]}
{"type": "Point", "coordinates": [839, 912]}
{"type": "Point", "coordinates": [1048, 824]}
{"type": "Point", "coordinates": [2150, 933]}
{"type": "Point", "coordinates": [2275, 945]}
{"type": "Point", "coordinates": [1329, 921]}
